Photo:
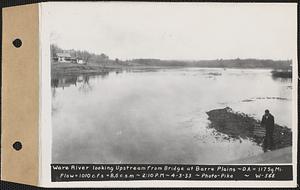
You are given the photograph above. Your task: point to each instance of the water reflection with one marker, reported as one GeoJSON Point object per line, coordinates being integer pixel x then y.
{"type": "Point", "coordinates": [282, 79]}
{"type": "Point", "coordinates": [63, 81]}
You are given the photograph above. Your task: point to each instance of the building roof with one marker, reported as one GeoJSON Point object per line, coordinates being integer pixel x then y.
{"type": "Point", "coordinates": [63, 55]}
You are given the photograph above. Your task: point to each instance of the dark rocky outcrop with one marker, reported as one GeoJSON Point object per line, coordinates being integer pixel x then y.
{"type": "Point", "coordinates": [239, 125]}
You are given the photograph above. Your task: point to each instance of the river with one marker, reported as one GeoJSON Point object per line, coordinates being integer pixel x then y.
{"type": "Point", "coordinates": [159, 116]}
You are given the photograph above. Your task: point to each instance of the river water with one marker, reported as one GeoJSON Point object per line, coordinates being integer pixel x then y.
{"type": "Point", "coordinates": [159, 116]}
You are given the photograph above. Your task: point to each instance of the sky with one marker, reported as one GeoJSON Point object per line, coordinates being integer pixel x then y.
{"type": "Point", "coordinates": [185, 31]}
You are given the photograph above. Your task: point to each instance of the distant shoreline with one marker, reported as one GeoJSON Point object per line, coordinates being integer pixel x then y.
{"type": "Point", "coordinates": [94, 68]}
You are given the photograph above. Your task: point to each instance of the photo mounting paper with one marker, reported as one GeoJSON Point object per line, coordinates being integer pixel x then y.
{"type": "Point", "coordinates": [168, 94]}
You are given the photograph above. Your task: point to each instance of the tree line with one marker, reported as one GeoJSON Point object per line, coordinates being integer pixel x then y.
{"type": "Point", "coordinates": [217, 63]}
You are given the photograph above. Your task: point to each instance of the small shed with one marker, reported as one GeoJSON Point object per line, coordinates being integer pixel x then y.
{"type": "Point", "coordinates": [77, 60]}
{"type": "Point", "coordinates": [80, 61]}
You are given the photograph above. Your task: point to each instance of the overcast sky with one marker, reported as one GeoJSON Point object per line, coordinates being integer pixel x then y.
{"type": "Point", "coordinates": [176, 30]}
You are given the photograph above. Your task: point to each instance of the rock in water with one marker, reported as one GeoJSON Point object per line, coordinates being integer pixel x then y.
{"type": "Point", "coordinates": [239, 125]}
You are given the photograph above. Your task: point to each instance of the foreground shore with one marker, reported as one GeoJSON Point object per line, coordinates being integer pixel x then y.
{"type": "Point", "coordinates": [282, 155]}
{"type": "Point", "coordinates": [241, 126]}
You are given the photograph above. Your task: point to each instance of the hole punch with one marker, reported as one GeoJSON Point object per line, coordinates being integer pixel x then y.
{"type": "Point", "coordinates": [17, 43]}
{"type": "Point", "coordinates": [17, 145]}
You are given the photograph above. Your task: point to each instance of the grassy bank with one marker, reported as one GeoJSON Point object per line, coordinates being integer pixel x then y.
{"type": "Point", "coordinates": [70, 68]}
{"type": "Point", "coordinates": [239, 125]}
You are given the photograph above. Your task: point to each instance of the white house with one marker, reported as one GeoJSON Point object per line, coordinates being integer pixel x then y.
{"type": "Point", "coordinates": [63, 57]}
{"type": "Point", "coordinates": [67, 58]}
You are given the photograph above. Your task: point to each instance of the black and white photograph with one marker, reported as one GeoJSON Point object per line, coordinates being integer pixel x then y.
{"type": "Point", "coordinates": [152, 94]}
{"type": "Point", "coordinates": [172, 83]}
